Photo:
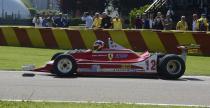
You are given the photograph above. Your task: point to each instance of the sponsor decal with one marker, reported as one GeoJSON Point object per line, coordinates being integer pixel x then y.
{"type": "Point", "coordinates": [110, 56]}
{"type": "Point", "coordinates": [117, 56]}
{"type": "Point", "coordinates": [126, 66]}
{"type": "Point", "coordinates": [99, 55]}
{"type": "Point", "coordinates": [128, 70]}
{"type": "Point", "coordinates": [95, 68]}
{"type": "Point", "coordinates": [98, 69]}
{"type": "Point", "coordinates": [121, 56]}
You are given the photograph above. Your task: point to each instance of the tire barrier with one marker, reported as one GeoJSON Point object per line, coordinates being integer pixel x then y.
{"type": "Point", "coordinates": [138, 40]}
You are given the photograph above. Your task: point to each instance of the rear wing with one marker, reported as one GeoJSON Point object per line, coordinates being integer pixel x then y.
{"type": "Point", "coordinates": [187, 48]}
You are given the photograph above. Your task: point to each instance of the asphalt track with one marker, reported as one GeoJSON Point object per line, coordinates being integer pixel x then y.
{"type": "Point", "coordinates": [189, 90]}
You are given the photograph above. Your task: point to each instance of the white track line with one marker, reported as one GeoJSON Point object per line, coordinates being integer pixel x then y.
{"type": "Point", "coordinates": [93, 102]}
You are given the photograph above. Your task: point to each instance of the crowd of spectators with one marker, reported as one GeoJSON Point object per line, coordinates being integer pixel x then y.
{"type": "Point", "coordinates": [142, 21]}
{"type": "Point", "coordinates": [150, 22]}
{"type": "Point", "coordinates": [101, 21]}
{"type": "Point", "coordinates": [198, 24]}
{"type": "Point", "coordinates": [158, 22]}
{"type": "Point", "coordinates": [59, 20]}
{"type": "Point", "coordinates": [97, 21]}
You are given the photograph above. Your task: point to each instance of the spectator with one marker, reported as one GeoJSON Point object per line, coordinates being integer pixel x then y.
{"type": "Point", "coordinates": [203, 23]}
{"type": "Point", "coordinates": [66, 20]}
{"type": "Point", "coordinates": [170, 12]}
{"type": "Point", "coordinates": [45, 21]}
{"type": "Point", "coordinates": [168, 23]}
{"type": "Point", "coordinates": [208, 26]}
{"type": "Point", "coordinates": [59, 20]}
{"type": "Point", "coordinates": [88, 19]}
{"type": "Point", "coordinates": [53, 17]}
{"type": "Point", "coordinates": [138, 22]}
{"type": "Point", "coordinates": [126, 23]}
{"type": "Point", "coordinates": [182, 24]}
{"type": "Point", "coordinates": [159, 22]}
{"type": "Point", "coordinates": [117, 23]}
{"type": "Point", "coordinates": [106, 21]}
{"type": "Point", "coordinates": [151, 21]}
{"type": "Point", "coordinates": [97, 21]}
{"type": "Point", "coordinates": [50, 21]}
{"type": "Point", "coordinates": [37, 20]}
{"type": "Point", "coordinates": [195, 23]}
{"type": "Point", "coordinates": [145, 21]}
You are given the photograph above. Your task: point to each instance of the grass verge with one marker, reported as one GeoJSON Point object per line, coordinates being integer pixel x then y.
{"type": "Point", "coordinates": [12, 58]}
{"type": "Point", "coordinates": [4, 104]}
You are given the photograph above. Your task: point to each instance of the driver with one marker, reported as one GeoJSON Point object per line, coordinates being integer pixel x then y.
{"type": "Point", "coordinates": [98, 45]}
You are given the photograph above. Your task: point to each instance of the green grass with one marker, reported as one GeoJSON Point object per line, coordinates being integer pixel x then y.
{"type": "Point", "coordinates": [78, 105]}
{"type": "Point", "coordinates": [198, 65]}
{"type": "Point", "coordinates": [12, 58]}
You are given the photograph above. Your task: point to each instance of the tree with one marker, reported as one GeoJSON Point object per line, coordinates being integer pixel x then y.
{"type": "Point", "coordinates": [137, 11]}
{"type": "Point", "coordinates": [32, 11]}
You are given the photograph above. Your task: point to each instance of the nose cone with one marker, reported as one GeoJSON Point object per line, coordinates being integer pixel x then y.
{"type": "Point", "coordinates": [47, 68]}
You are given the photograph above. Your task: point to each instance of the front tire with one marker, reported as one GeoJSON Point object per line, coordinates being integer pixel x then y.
{"type": "Point", "coordinates": [64, 66]}
{"type": "Point", "coordinates": [171, 67]}
{"type": "Point", "coordinates": [56, 55]}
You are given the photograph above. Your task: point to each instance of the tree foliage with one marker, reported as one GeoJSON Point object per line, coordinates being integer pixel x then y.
{"type": "Point", "coordinates": [32, 11]}
{"type": "Point", "coordinates": [137, 11]}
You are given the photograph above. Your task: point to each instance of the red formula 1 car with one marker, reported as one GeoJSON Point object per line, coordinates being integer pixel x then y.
{"type": "Point", "coordinates": [115, 61]}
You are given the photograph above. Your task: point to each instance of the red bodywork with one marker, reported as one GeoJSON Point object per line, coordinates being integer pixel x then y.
{"type": "Point", "coordinates": [110, 62]}
{"type": "Point", "coordinates": [115, 60]}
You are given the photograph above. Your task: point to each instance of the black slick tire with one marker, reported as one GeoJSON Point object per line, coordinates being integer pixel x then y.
{"type": "Point", "coordinates": [171, 67]}
{"type": "Point", "coordinates": [64, 66]}
{"type": "Point", "coordinates": [56, 55]}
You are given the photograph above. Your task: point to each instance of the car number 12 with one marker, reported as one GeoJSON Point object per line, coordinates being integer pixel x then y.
{"type": "Point", "coordinates": [151, 65]}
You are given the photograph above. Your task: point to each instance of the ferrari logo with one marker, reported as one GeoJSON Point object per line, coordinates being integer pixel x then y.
{"type": "Point", "coordinates": [110, 56]}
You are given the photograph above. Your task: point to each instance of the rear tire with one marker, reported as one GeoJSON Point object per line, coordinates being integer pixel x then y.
{"type": "Point", "coordinates": [171, 67]}
{"type": "Point", "coordinates": [64, 66]}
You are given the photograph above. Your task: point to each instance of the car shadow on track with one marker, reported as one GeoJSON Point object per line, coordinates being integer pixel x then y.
{"type": "Point", "coordinates": [154, 77]}
{"type": "Point", "coordinates": [191, 79]}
